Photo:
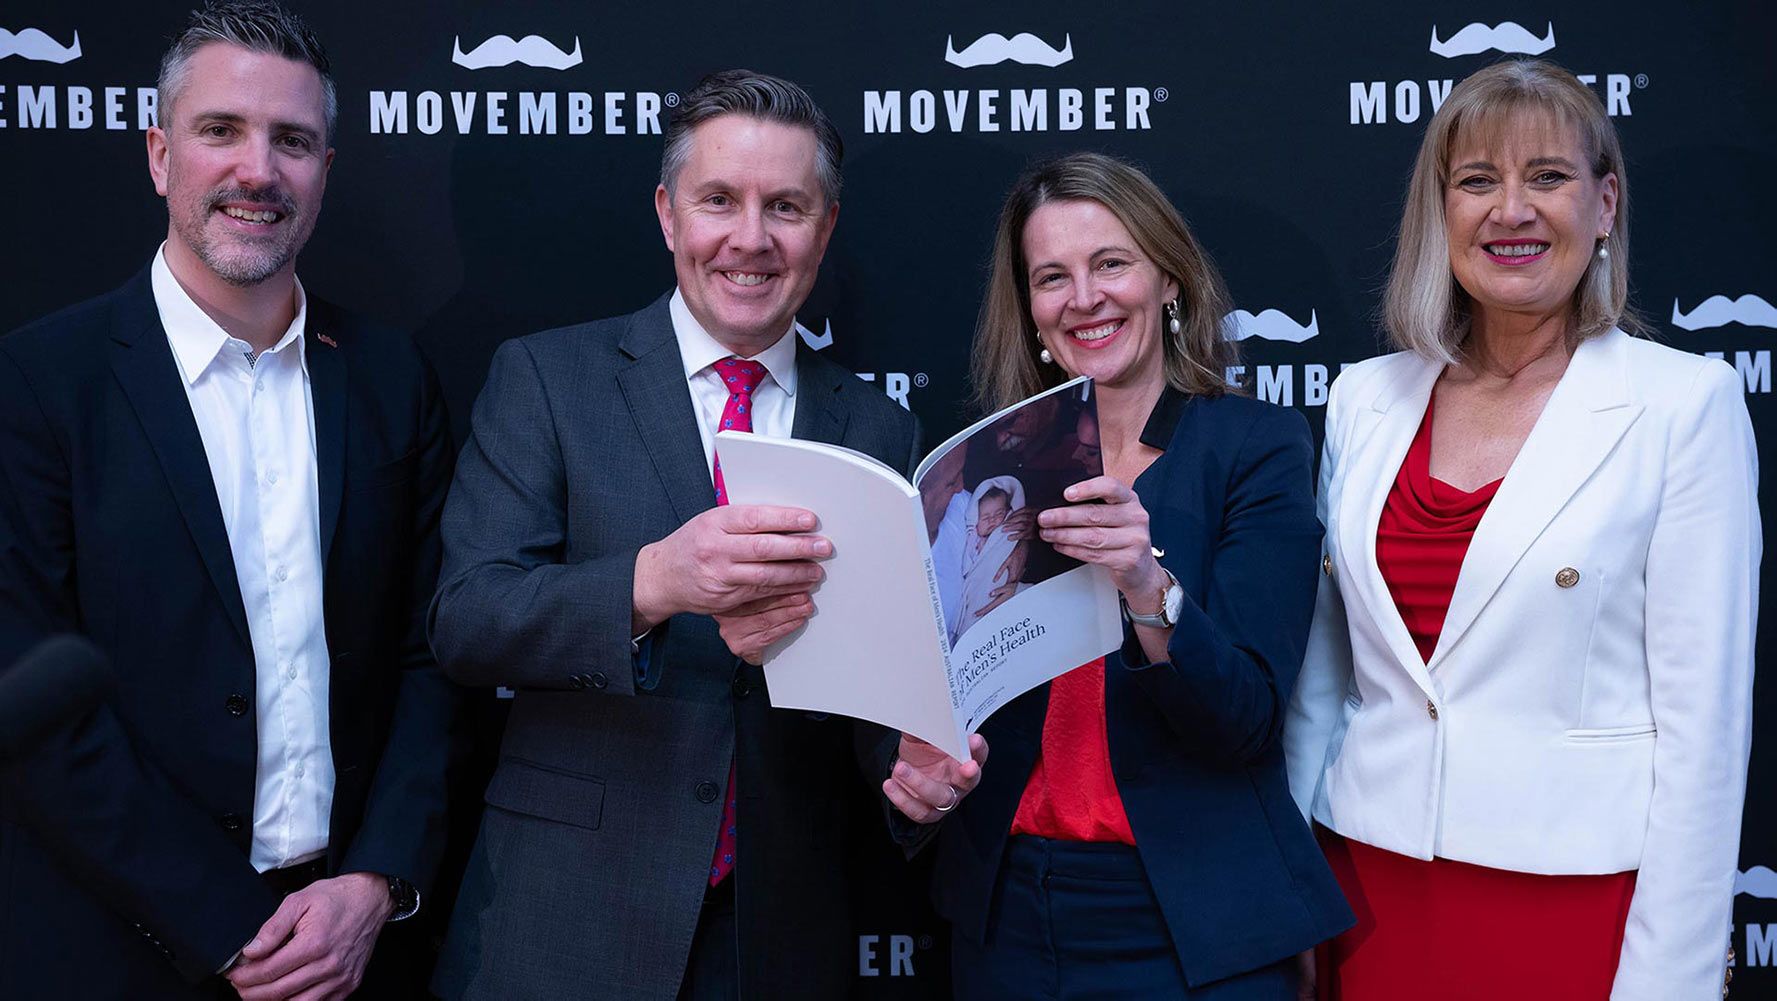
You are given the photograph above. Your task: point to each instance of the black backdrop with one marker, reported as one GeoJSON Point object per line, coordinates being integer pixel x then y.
{"type": "Point", "coordinates": [476, 205]}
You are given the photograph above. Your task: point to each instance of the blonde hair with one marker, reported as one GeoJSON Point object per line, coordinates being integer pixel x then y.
{"type": "Point", "coordinates": [1425, 310]}
{"type": "Point", "coordinates": [1004, 366]}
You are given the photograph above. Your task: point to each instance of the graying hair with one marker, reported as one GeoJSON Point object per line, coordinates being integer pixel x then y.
{"type": "Point", "coordinates": [1425, 310]}
{"type": "Point", "coordinates": [256, 25]}
{"type": "Point", "coordinates": [755, 95]}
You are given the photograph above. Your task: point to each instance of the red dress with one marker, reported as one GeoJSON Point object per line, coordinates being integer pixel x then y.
{"type": "Point", "coordinates": [1445, 929]}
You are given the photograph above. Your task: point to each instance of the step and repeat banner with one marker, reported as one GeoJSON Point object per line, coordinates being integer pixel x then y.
{"type": "Point", "coordinates": [496, 167]}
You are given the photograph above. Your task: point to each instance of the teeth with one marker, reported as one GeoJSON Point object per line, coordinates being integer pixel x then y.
{"type": "Point", "coordinates": [247, 216]}
{"type": "Point", "coordinates": [746, 278]}
{"type": "Point", "coordinates": [1099, 332]}
{"type": "Point", "coordinates": [1517, 249]}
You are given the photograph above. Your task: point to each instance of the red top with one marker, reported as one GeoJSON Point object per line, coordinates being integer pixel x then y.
{"type": "Point", "coordinates": [1424, 533]}
{"type": "Point", "coordinates": [1071, 794]}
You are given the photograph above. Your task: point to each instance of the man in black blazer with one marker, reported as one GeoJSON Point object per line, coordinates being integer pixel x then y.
{"type": "Point", "coordinates": [232, 489]}
{"type": "Point", "coordinates": [590, 565]}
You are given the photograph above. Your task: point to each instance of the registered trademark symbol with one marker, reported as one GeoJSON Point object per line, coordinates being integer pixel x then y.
{"type": "Point", "coordinates": [672, 100]}
{"type": "Point", "coordinates": [1641, 81]}
{"type": "Point", "coordinates": [921, 380]}
{"type": "Point", "coordinates": [925, 941]}
{"type": "Point", "coordinates": [1160, 94]}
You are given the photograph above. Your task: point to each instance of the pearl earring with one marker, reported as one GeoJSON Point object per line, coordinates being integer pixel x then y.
{"type": "Point", "coordinates": [1603, 251]}
{"type": "Point", "coordinates": [1048, 359]}
{"type": "Point", "coordinates": [1172, 320]}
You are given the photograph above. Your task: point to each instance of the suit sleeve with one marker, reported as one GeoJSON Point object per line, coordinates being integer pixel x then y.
{"type": "Point", "coordinates": [110, 817]}
{"type": "Point", "coordinates": [510, 610]}
{"type": "Point", "coordinates": [1232, 661]}
{"type": "Point", "coordinates": [1702, 607]}
{"type": "Point", "coordinates": [1326, 667]}
{"type": "Point", "coordinates": [403, 830]}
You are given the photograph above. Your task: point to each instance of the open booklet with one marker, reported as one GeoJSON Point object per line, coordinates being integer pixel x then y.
{"type": "Point", "coordinates": [940, 603]}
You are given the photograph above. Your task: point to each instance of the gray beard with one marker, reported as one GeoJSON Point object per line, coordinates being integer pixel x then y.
{"type": "Point", "coordinates": [246, 269]}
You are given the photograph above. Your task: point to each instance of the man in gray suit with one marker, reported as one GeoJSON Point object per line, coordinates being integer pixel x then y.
{"type": "Point", "coordinates": [654, 828]}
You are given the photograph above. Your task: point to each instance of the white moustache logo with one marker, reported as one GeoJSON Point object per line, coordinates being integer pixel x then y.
{"type": "Point", "coordinates": [1507, 37]}
{"type": "Point", "coordinates": [1270, 325]}
{"type": "Point", "coordinates": [815, 341]}
{"type": "Point", "coordinates": [501, 50]}
{"type": "Point", "coordinates": [1758, 881]}
{"type": "Point", "coordinates": [994, 47]}
{"type": "Point", "coordinates": [35, 45]}
{"type": "Point", "coordinates": [1719, 311]}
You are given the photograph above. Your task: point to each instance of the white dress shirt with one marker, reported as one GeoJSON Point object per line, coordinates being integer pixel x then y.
{"type": "Point", "coordinates": [774, 400]}
{"type": "Point", "coordinates": [256, 418]}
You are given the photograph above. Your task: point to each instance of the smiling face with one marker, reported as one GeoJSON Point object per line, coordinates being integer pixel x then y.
{"type": "Point", "coordinates": [991, 513]}
{"type": "Point", "coordinates": [1096, 299]}
{"type": "Point", "coordinates": [1523, 216]}
{"type": "Point", "coordinates": [747, 224]}
{"type": "Point", "coordinates": [242, 161]}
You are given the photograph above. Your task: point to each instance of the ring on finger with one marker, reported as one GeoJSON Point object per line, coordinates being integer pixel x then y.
{"type": "Point", "coordinates": [955, 798]}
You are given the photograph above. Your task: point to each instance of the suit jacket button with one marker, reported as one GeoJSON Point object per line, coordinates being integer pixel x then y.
{"type": "Point", "coordinates": [1431, 710]}
{"type": "Point", "coordinates": [230, 821]}
{"type": "Point", "coordinates": [707, 791]}
{"type": "Point", "coordinates": [1326, 564]}
{"type": "Point", "coordinates": [741, 689]}
{"type": "Point", "coordinates": [576, 681]}
{"type": "Point", "coordinates": [597, 680]}
{"type": "Point", "coordinates": [236, 705]}
{"type": "Point", "coordinates": [1566, 577]}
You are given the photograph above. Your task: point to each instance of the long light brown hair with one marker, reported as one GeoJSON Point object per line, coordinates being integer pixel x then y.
{"type": "Point", "coordinates": [1425, 310]}
{"type": "Point", "coordinates": [1004, 365]}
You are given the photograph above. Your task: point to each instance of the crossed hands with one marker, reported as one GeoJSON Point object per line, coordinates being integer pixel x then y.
{"type": "Point", "coordinates": [314, 947]}
{"type": "Point", "coordinates": [750, 566]}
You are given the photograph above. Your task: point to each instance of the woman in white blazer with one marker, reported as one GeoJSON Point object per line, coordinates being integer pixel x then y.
{"type": "Point", "coordinates": [1523, 722]}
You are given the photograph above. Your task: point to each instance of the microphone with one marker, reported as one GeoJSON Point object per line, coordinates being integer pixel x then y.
{"type": "Point", "coordinates": [56, 682]}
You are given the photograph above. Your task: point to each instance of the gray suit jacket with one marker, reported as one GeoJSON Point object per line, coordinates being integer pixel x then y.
{"type": "Point", "coordinates": [590, 868]}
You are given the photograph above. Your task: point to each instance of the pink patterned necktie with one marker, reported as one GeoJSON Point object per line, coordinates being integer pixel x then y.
{"type": "Point", "coordinates": [741, 378]}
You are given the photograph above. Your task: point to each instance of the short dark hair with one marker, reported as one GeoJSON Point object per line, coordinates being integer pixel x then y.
{"type": "Point", "coordinates": [756, 95]}
{"type": "Point", "coordinates": [257, 25]}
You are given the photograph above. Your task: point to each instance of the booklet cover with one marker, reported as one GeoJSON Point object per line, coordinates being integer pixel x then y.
{"type": "Point", "coordinates": [940, 602]}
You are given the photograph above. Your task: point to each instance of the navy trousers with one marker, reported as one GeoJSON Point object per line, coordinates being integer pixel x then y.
{"type": "Point", "coordinates": [1077, 921]}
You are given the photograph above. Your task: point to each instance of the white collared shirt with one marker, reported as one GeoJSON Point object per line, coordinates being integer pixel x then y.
{"type": "Point", "coordinates": [774, 401]}
{"type": "Point", "coordinates": [256, 418]}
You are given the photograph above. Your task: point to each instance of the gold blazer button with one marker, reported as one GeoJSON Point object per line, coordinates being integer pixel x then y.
{"type": "Point", "coordinates": [1326, 564]}
{"type": "Point", "coordinates": [1566, 577]}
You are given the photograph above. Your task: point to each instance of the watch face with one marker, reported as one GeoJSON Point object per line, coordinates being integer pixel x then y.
{"type": "Point", "coordinates": [1175, 602]}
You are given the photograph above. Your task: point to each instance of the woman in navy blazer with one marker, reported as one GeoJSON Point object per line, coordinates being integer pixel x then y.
{"type": "Point", "coordinates": [1133, 835]}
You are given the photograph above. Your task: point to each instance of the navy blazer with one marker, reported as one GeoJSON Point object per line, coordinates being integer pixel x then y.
{"type": "Point", "coordinates": [124, 841]}
{"type": "Point", "coordinates": [1194, 741]}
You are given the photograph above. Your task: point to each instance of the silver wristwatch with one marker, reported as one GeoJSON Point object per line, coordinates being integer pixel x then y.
{"type": "Point", "coordinates": [1172, 602]}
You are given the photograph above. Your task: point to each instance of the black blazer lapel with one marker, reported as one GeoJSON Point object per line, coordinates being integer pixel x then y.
{"type": "Point", "coordinates": [143, 362]}
{"type": "Point", "coordinates": [327, 389]}
{"type": "Point", "coordinates": [659, 400]}
{"type": "Point", "coordinates": [820, 415]}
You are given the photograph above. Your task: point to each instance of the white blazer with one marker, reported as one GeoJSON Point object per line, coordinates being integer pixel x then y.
{"type": "Point", "coordinates": [1588, 706]}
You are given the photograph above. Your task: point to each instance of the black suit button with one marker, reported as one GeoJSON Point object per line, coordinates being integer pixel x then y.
{"type": "Point", "coordinates": [576, 682]}
{"type": "Point", "coordinates": [707, 791]}
{"type": "Point", "coordinates": [230, 821]}
{"type": "Point", "coordinates": [741, 689]}
{"type": "Point", "coordinates": [237, 705]}
{"type": "Point", "coordinates": [598, 680]}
